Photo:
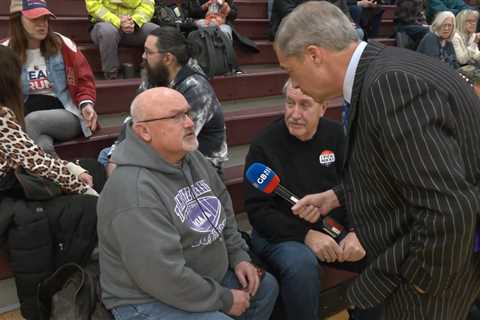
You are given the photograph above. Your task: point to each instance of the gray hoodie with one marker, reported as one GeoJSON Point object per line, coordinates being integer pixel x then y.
{"type": "Point", "coordinates": [158, 227]}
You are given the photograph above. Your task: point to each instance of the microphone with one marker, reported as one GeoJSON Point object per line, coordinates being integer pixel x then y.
{"type": "Point", "coordinates": [266, 180]}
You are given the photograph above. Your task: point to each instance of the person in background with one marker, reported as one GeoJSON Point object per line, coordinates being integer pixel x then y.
{"type": "Point", "coordinates": [434, 7]}
{"type": "Point", "coordinates": [367, 14]}
{"type": "Point", "coordinates": [119, 22]}
{"type": "Point", "coordinates": [438, 42]}
{"type": "Point", "coordinates": [168, 240]}
{"type": "Point", "coordinates": [465, 41]}
{"type": "Point", "coordinates": [281, 8]}
{"type": "Point", "coordinates": [57, 83]}
{"type": "Point", "coordinates": [17, 149]}
{"type": "Point", "coordinates": [410, 18]}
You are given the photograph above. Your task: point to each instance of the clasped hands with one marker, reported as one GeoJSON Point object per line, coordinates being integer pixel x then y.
{"type": "Point", "coordinates": [311, 208]}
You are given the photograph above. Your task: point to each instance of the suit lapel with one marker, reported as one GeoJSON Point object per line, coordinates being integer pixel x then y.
{"type": "Point", "coordinates": [369, 54]}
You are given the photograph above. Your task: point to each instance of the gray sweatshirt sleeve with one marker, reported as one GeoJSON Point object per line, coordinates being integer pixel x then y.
{"type": "Point", "coordinates": [158, 266]}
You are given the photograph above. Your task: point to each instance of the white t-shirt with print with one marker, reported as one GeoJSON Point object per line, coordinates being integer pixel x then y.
{"type": "Point", "coordinates": [37, 75]}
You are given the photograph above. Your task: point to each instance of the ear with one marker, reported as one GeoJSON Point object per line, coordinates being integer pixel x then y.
{"type": "Point", "coordinates": [142, 131]}
{"type": "Point", "coordinates": [314, 54]}
{"type": "Point", "coordinates": [323, 108]}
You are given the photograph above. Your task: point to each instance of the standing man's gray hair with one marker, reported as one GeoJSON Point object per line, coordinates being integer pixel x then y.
{"type": "Point", "coordinates": [317, 23]}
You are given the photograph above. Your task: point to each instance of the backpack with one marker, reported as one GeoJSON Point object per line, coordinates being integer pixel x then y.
{"type": "Point", "coordinates": [72, 293]}
{"type": "Point", "coordinates": [214, 51]}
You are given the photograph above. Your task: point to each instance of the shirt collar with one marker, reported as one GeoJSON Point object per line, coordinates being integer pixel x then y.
{"type": "Point", "coordinates": [352, 68]}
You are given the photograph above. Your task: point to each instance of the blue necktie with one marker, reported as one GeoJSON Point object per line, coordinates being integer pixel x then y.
{"type": "Point", "coordinates": [345, 115]}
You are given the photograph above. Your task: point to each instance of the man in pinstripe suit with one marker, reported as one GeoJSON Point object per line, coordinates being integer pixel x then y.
{"type": "Point", "coordinates": [412, 165]}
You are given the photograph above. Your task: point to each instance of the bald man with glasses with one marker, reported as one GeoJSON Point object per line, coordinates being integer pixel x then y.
{"type": "Point", "coordinates": [168, 240]}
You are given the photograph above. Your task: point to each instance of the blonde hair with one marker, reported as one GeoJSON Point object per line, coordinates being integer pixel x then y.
{"type": "Point", "coordinates": [461, 20]}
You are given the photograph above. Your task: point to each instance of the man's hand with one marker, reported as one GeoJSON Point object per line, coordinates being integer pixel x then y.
{"type": "Point", "coordinates": [86, 178]}
{"type": "Point", "coordinates": [324, 202]}
{"type": "Point", "coordinates": [241, 302]}
{"type": "Point", "coordinates": [352, 248]}
{"type": "Point", "coordinates": [127, 24]}
{"type": "Point", "coordinates": [90, 116]}
{"type": "Point", "coordinates": [324, 246]}
{"type": "Point", "coordinates": [309, 213]}
{"type": "Point", "coordinates": [248, 277]}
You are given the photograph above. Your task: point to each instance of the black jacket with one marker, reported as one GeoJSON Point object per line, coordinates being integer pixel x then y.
{"type": "Point", "coordinates": [43, 235]}
{"type": "Point", "coordinates": [301, 170]}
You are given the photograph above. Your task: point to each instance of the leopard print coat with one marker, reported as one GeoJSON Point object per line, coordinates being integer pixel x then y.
{"type": "Point", "coordinates": [18, 150]}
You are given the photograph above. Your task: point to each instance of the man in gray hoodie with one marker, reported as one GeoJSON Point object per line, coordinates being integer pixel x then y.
{"type": "Point", "coordinates": [168, 240]}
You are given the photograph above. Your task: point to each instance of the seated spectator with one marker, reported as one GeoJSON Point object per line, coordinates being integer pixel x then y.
{"type": "Point", "coordinates": [166, 57]}
{"type": "Point", "coordinates": [168, 240]}
{"type": "Point", "coordinates": [22, 151]}
{"type": "Point", "coordinates": [219, 13]}
{"type": "Point", "coordinates": [119, 22]}
{"type": "Point", "coordinates": [57, 107]}
{"type": "Point", "coordinates": [465, 41]}
{"type": "Point", "coordinates": [281, 8]}
{"type": "Point", "coordinates": [298, 147]}
{"type": "Point", "coordinates": [434, 7]}
{"type": "Point", "coordinates": [367, 14]}
{"type": "Point", "coordinates": [410, 18]}
{"type": "Point", "coordinates": [28, 236]}
{"type": "Point", "coordinates": [438, 42]}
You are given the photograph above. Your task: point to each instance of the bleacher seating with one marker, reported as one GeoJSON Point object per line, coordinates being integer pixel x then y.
{"type": "Point", "coordinates": [262, 78]}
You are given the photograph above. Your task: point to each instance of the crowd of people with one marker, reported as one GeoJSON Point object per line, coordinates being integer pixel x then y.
{"type": "Point", "coordinates": [397, 180]}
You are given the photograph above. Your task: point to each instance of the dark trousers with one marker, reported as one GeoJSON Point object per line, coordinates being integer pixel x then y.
{"type": "Point", "coordinates": [369, 19]}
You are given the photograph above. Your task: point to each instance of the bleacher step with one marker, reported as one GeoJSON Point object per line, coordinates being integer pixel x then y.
{"type": "Point", "coordinates": [115, 96]}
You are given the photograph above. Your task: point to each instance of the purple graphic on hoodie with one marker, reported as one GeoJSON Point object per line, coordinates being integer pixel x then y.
{"type": "Point", "coordinates": [205, 218]}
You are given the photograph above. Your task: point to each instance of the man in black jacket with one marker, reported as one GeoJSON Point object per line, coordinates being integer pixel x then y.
{"type": "Point", "coordinates": [298, 147]}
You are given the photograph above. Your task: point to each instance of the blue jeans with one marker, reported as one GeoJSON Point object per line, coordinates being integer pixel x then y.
{"type": "Point", "coordinates": [261, 305]}
{"type": "Point", "coordinates": [297, 270]}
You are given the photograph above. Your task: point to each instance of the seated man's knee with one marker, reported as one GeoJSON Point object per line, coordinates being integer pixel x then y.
{"type": "Point", "coordinates": [299, 262]}
{"type": "Point", "coordinates": [105, 30]}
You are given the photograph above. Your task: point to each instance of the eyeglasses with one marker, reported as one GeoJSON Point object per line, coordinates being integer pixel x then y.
{"type": "Point", "coordinates": [177, 118]}
{"type": "Point", "coordinates": [446, 26]}
{"type": "Point", "coordinates": [471, 21]}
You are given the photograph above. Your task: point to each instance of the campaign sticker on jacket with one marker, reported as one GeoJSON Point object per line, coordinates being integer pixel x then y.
{"type": "Point", "coordinates": [326, 158]}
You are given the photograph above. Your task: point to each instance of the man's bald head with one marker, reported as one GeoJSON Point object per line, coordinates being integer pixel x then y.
{"type": "Point", "coordinates": [154, 102]}
{"type": "Point", "coordinates": [160, 119]}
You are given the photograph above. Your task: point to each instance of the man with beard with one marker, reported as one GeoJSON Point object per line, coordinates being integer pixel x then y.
{"type": "Point", "coordinates": [168, 241]}
{"type": "Point", "coordinates": [166, 59]}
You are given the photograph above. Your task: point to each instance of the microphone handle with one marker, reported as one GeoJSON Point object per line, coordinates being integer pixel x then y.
{"type": "Point", "coordinates": [286, 194]}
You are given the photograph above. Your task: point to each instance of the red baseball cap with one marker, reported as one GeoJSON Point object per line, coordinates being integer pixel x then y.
{"type": "Point", "coordinates": [31, 9]}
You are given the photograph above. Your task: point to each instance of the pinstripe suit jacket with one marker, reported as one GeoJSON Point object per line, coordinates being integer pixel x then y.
{"type": "Point", "coordinates": [412, 172]}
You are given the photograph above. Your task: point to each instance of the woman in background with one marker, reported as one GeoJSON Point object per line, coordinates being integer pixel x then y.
{"type": "Point", "coordinates": [57, 83]}
{"type": "Point", "coordinates": [438, 42]}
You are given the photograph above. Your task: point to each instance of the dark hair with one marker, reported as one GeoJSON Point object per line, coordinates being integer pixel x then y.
{"type": "Point", "coordinates": [19, 43]}
{"type": "Point", "coordinates": [169, 39]}
{"type": "Point", "coordinates": [10, 90]}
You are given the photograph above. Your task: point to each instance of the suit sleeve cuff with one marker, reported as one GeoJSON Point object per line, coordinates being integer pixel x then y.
{"type": "Point", "coordinates": [340, 193]}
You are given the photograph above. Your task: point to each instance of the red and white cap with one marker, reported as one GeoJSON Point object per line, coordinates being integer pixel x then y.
{"type": "Point", "coordinates": [31, 9]}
